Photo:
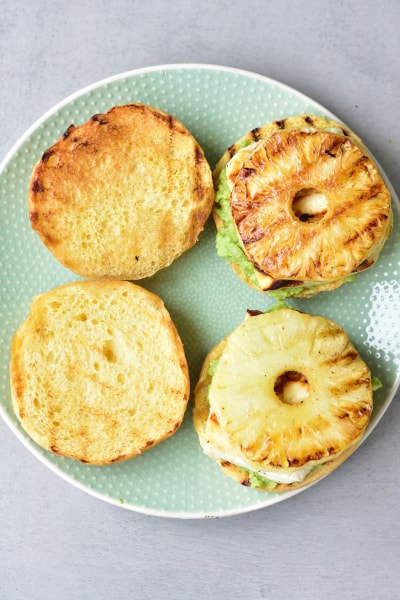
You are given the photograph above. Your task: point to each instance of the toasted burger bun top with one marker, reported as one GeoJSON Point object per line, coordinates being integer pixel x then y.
{"type": "Point", "coordinates": [123, 195]}
{"type": "Point", "coordinates": [98, 371]}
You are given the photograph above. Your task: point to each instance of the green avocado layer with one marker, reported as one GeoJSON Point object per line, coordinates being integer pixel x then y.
{"type": "Point", "coordinates": [227, 241]}
{"type": "Point", "coordinates": [257, 481]}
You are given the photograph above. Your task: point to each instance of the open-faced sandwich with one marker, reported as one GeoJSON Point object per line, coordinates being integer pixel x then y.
{"type": "Point", "coordinates": [283, 400]}
{"type": "Point", "coordinates": [300, 206]}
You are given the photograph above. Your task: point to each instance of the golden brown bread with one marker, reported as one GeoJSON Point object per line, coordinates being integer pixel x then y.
{"type": "Point", "coordinates": [98, 371]}
{"type": "Point", "coordinates": [123, 195]}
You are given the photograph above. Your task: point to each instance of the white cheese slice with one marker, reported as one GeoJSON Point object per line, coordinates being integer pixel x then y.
{"type": "Point", "coordinates": [293, 475]}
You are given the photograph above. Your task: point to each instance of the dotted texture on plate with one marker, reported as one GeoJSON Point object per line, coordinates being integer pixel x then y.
{"type": "Point", "coordinates": [205, 298]}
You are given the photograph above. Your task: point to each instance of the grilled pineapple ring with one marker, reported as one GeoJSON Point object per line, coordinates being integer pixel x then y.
{"type": "Point", "coordinates": [285, 203]}
{"type": "Point", "coordinates": [290, 393]}
{"type": "Point", "coordinates": [310, 206]}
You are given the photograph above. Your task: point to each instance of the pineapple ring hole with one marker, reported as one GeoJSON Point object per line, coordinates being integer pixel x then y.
{"type": "Point", "coordinates": [309, 205]}
{"type": "Point", "coordinates": [292, 388]}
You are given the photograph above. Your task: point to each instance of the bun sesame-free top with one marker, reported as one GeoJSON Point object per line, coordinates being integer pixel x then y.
{"type": "Point", "coordinates": [122, 195]}
{"type": "Point", "coordinates": [98, 371]}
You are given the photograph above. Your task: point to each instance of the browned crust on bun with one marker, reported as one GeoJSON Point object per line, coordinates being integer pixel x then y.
{"type": "Point", "coordinates": [122, 195]}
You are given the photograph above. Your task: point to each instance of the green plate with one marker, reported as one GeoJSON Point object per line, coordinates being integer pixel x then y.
{"type": "Point", "coordinates": [205, 298]}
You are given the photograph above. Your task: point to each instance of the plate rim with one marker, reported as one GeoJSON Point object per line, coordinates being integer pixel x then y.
{"type": "Point", "coordinates": [144, 70]}
{"type": "Point", "coordinates": [29, 444]}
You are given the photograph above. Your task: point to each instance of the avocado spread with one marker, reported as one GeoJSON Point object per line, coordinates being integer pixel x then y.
{"type": "Point", "coordinates": [213, 367]}
{"type": "Point", "coordinates": [227, 241]}
{"type": "Point", "coordinates": [376, 383]}
{"type": "Point", "coordinates": [257, 481]}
